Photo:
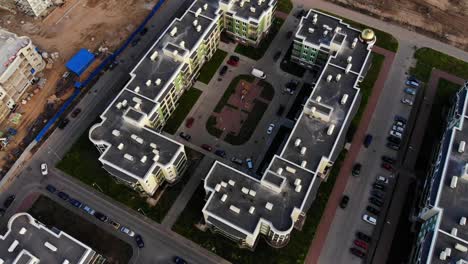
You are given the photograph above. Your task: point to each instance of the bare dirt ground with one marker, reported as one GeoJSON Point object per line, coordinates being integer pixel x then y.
{"type": "Point", "coordinates": [446, 20]}
{"type": "Point", "coordinates": [78, 24]}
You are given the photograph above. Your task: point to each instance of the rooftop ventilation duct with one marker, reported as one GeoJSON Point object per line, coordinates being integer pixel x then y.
{"type": "Point", "coordinates": [139, 140]}
{"type": "Point", "coordinates": [195, 22]}
{"type": "Point", "coordinates": [353, 45]}
{"type": "Point", "coordinates": [124, 103]}
{"type": "Point", "coordinates": [137, 89]}
{"type": "Point", "coordinates": [303, 151]}
{"type": "Point", "coordinates": [252, 193]}
{"type": "Point", "coordinates": [224, 184]}
{"type": "Point", "coordinates": [148, 82]}
{"type": "Point", "coordinates": [218, 187]}
{"type": "Point", "coordinates": [143, 159]}
{"type": "Point", "coordinates": [128, 157]}
{"type": "Point", "coordinates": [116, 132]}
{"type": "Point", "coordinates": [330, 130]}
{"type": "Point", "coordinates": [462, 221]}
{"type": "Point", "coordinates": [311, 30]}
{"type": "Point", "coordinates": [454, 231]}
{"type": "Point", "coordinates": [315, 19]}
{"type": "Point", "coordinates": [120, 146]}
{"type": "Point", "coordinates": [298, 188]}
{"type": "Point", "coordinates": [453, 182]}
{"type": "Point", "coordinates": [279, 171]}
{"type": "Point", "coordinates": [319, 98]}
{"type": "Point", "coordinates": [198, 28]}
{"type": "Point", "coordinates": [205, 6]}
{"type": "Point", "coordinates": [182, 44]}
{"type": "Point", "coordinates": [158, 81]}
{"type": "Point", "coordinates": [297, 142]}
{"type": "Point", "coordinates": [348, 68]}
{"type": "Point", "coordinates": [443, 255]}
{"type": "Point", "coordinates": [224, 197]}
{"type": "Point", "coordinates": [461, 248]}
{"type": "Point", "coordinates": [290, 170]}
{"type": "Point", "coordinates": [153, 145]}
{"type": "Point", "coordinates": [198, 12]}
{"type": "Point", "coordinates": [297, 182]}
{"type": "Point", "coordinates": [325, 33]}
{"type": "Point", "coordinates": [173, 31]}
{"type": "Point", "coordinates": [154, 55]}
{"type": "Point", "coordinates": [329, 78]}
{"type": "Point", "coordinates": [245, 190]}
{"type": "Point", "coordinates": [461, 147]}
{"type": "Point", "coordinates": [234, 209]}
{"type": "Point", "coordinates": [338, 77]}
{"type": "Point", "coordinates": [337, 29]}
{"type": "Point", "coordinates": [448, 251]}
{"type": "Point", "coordinates": [349, 59]}
{"type": "Point", "coordinates": [232, 183]}
{"type": "Point", "coordinates": [344, 99]}
{"type": "Point", "coordinates": [303, 163]}
{"type": "Point", "coordinates": [252, 9]}
{"type": "Point", "coordinates": [251, 210]}
{"type": "Point", "coordinates": [118, 105]}
{"type": "Point", "coordinates": [269, 206]}
{"type": "Point", "coordinates": [156, 155]}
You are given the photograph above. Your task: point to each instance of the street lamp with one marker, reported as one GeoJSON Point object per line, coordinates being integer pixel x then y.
{"type": "Point", "coordinates": [97, 186]}
{"type": "Point", "coordinates": [141, 211]}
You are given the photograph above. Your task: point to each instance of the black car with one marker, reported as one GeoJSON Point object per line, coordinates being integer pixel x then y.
{"type": "Point", "coordinates": [289, 34]}
{"type": "Point", "coordinates": [375, 201]}
{"type": "Point", "coordinates": [76, 112]}
{"type": "Point", "coordinates": [223, 70]}
{"type": "Point", "coordinates": [143, 31]}
{"type": "Point", "coordinates": [388, 159]}
{"type": "Point", "coordinates": [393, 146]}
{"type": "Point", "coordinates": [344, 201]}
{"type": "Point", "coordinates": [277, 56]}
{"type": "Point", "coordinates": [400, 119]}
{"type": "Point", "coordinates": [367, 140]}
{"type": "Point", "coordinates": [356, 169]}
{"type": "Point", "coordinates": [378, 194]}
{"type": "Point", "coordinates": [300, 13]}
{"type": "Point", "coordinates": [75, 202]}
{"type": "Point", "coordinates": [220, 153]}
{"type": "Point", "coordinates": [378, 186]}
{"type": "Point", "coordinates": [51, 188]}
{"type": "Point", "coordinates": [139, 241]}
{"type": "Point", "coordinates": [185, 136]}
{"type": "Point", "coordinates": [394, 140]}
{"type": "Point", "coordinates": [179, 260]}
{"type": "Point", "coordinates": [234, 58]}
{"type": "Point", "coordinates": [102, 217]}
{"type": "Point", "coordinates": [363, 237]}
{"type": "Point", "coordinates": [63, 123]}
{"type": "Point", "coordinates": [292, 84]}
{"type": "Point", "coordinates": [63, 196]}
{"type": "Point", "coordinates": [358, 253]}
{"type": "Point", "coordinates": [373, 210]}
{"type": "Point", "coordinates": [9, 200]}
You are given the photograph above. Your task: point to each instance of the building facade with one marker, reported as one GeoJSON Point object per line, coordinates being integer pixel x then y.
{"type": "Point", "coordinates": [244, 208]}
{"type": "Point", "coordinates": [29, 241]}
{"type": "Point", "coordinates": [442, 234]}
{"type": "Point", "coordinates": [132, 148]}
{"type": "Point", "coordinates": [19, 63]}
{"type": "Point", "coordinates": [35, 8]}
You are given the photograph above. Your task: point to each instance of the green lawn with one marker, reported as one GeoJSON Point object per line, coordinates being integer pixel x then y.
{"type": "Point", "coordinates": [384, 39]}
{"type": "Point", "coordinates": [427, 59]}
{"type": "Point", "coordinates": [82, 163]}
{"type": "Point", "coordinates": [186, 102]}
{"type": "Point", "coordinates": [211, 127]}
{"type": "Point", "coordinates": [294, 252]}
{"type": "Point", "coordinates": [230, 90]}
{"type": "Point", "coordinates": [366, 90]}
{"type": "Point", "coordinates": [210, 67]}
{"type": "Point", "coordinates": [284, 6]}
{"type": "Point", "coordinates": [249, 125]}
{"type": "Point", "coordinates": [257, 53]}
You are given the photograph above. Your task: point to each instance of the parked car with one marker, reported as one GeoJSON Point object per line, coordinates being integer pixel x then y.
{"type": "Point", "coordinates": [387, 166]}
{"type": "Point", "coordinates": [223, 70]}
{"type": "Point", "coordinates": [185, 136]}
{"type": "Point", "coordinates": [393, 146]}
{"type": "Point", "coordinates": [398, 129]}
{"type": "Point", "coordinates": [44, 169]}
{"type": "Point", "coordinates": [369, 219]}
{"type": "Point", "coordinates": [363, 237]}
{"type": "Point", "coordinates": [75, 202]}
{"type": "Point", "coordinates": [189, 122]}
{"type": "Point", "coordinates": [388, 159]}
{"type": "Point", "coordinates": [127, 231]}
{"type": "Point", "coordinates": [63, 123]}
{"type": "Point", "coordinates": [144, 31]}
{"type": "Point", "coordinates": [236, 160]}
{"type": "Point", "coordinates": [410, 91]}
{"type": "Point", "coordinates": [412, 83]}
{"type": "Point", "coordinates": [358, 253]}
{"type": "Point", "coordinates": [396, 134]}
{"type": "Point", "coordinates": [51, 188]}
{"type": "Point", "coordinates": [2, 212]}
{"type": "Point", "coordinates": [179, 260]}
{"type": "Point", "coordinates": [378, 186]}
{"type": "Point", "coordinates": [249, 163]}
{"type": "Point", "coordinates": [382, 180]}
{"type": "Point", "coordinates": [63, 195]}
{"type": "Point", "coordinates": [407, 101]}
{"type": "Point", "coordinates": [400, 119]}
{"type": "Point", "coordinates": [367, 140]}
{"type": "Point", "coordinates": [300, 13]}
{"type": "Point", "coordinates": [220, 153]}
{"type": "Point", "coordinates": [361, 244]}
{"type": "Point", "coordinates": [378, 194]}
{"type": "Point", "coordinates": [76, 112]}
{"type": "Point", "coordinates": [8, 201]}
{"type": "Point", "coordinates": [289, 34]}
{"type": "Point", "coordinates": [344, 201]}
{"type": "Point", "coordinates": [207, 147]}
{"type": "Point", "coordinates": [277, 56]}
{"type": "Point", "coordinates": [373, 210]}
{"type": "Point", "coordinates": [113, 223]}
{"type": "Point", "coordinates": [394, 140]}
{"type": "Point", "coordinates": [233, 60]}
{"type": "Point", "coordinates": [88, 209]}
{"type": "Point", "coordinates": [356, 169]}
{"type": "Point", "coordinates": [139, 241]}
{"type": "Point", "coordinates": [375, 201]}
{"type": "Point", "coordinates": [270, 128]}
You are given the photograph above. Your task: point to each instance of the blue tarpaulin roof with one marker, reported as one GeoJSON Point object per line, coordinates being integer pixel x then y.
{"type": "Point", "coordinates": [78, 63]}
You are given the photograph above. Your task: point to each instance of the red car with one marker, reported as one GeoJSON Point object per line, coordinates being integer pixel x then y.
{"type": "Point", "coordinates": [387, 166]}
{"type": "Point", "coordinates": [361, 244]}
{"type": "Point", "coordinates": [207, 147]}
{"type": "Point", "coordinates": [233, 61]}
{"type": "Point", "coordinates": [357, 252]}
{"type": "Point", "coordinates": [189, 122]}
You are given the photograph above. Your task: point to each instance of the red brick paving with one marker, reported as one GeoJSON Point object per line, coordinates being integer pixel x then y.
{"type": "Point", "coordinates": [340, 184]}
{"type": "Point", "coordinates": [244, 95]}
{"type": "Point", "coordinates": [230, 120]}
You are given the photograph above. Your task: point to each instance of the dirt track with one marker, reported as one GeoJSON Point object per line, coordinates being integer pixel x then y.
{"type": "Point", "coordinates": [444, 19]}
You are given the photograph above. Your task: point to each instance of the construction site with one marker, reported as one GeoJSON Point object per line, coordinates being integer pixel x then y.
{"type": "Point", "coordinates": [97, 26]}
{"type": "Point", "coordinates": [445, 20]}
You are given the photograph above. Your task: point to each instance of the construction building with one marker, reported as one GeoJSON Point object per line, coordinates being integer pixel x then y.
{"type": "Point", "coordinates": [132, 149]}
{"type": "Point", "coordinates": [29, 241]}
{"type": "Point", "coordinates": [34, 8]}
{"type": "Point", "coordinates": [443, 208]}
{"type": "Point", "coordinates": [19, 64]}
{"type": "Point", "coordinates": [242, 207]}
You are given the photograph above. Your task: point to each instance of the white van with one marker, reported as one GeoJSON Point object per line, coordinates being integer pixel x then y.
{"type": "Point", "coordinates": [258, 73]}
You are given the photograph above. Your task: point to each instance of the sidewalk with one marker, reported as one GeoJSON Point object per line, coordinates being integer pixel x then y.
{"type": "Point", "coordinates": [340, 184]}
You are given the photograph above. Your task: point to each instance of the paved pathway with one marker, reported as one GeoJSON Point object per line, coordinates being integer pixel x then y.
{"type": "Point", "coordinates": [340, 184]}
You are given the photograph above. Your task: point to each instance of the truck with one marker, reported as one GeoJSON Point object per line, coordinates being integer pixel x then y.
{"type": "Point", "coordinates": [258, 73]}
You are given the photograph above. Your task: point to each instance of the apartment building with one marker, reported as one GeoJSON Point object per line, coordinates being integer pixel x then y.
{"type": "Point", "coordinates": [443, 208]}
{"type": "Point", "coordinates": [19, 63]}
{"type": "Point", "coordinates": [128, 138]}
{"type": "Point", "coordinates": [35, 8]}
{"type": "Point", "coordinates": [29, 241]}
{"type": "Point", "coordinates": [242, 207]}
